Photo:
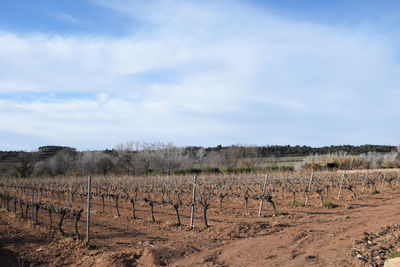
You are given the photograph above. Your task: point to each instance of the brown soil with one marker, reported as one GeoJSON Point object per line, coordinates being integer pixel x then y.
{"type": "Point", "coordinates": [306, 236]}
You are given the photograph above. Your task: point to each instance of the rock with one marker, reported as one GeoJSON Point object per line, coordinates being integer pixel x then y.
{"type": "Point", "coordinates": [311, 257]}
{"type": "Point", "coordinates": [395, 262]}
{"type": "Point", "coordinates": [361, 257]}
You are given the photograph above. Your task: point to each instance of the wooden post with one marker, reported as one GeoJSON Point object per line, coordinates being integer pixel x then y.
{"type": "Point", "coordinates": [6, 200]}
{"type": "Point", "coordinates": [33, 201]}
{"type": "Point", "coordinates": [193, 201]}
{"type": "Point", "coordinates": [70, 200]}
{"type": "Point", "coordinates": [109, 199]}
{"type": "Point", "coordinates": [262, 195]}
{"type": "Point", "coordinates": [365, 182]}
{"type": "Point", "coordinates": [341, 185]}
{"type": "Point", "coordinates": [383, 181]}
{"type": "Point", "coordinates": [309, 188]}
{"type": "Point", "coordinates": [398, 180]}
{"type": "Point", "coordinates": [88, 210]}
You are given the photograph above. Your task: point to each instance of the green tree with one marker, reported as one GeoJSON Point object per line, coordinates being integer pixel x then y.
{"type": "Point", "coordinates": [25, 169]}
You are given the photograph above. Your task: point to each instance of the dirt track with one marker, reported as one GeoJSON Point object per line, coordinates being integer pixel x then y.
{"type": "Point", "coordinates": [320, 238]}
{"type": "Point", "coordinates": [307, 236]}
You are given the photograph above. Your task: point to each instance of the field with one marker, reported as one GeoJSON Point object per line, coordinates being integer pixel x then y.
{"type": "Point", "coordinates": [288, 161]}
{"type": "Point", "coordinates": [145, 221]}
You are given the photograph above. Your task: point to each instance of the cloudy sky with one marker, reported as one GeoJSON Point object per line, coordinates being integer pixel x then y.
{"type": "Point", "coordinates": [94, 73]}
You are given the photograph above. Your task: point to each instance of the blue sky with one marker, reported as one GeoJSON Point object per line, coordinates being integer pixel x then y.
{"type": "Point", "coordinates": [94, 73]}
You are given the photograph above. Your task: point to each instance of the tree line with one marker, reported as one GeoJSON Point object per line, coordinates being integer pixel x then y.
{"type": "Point", "coordinates": [137, 158]}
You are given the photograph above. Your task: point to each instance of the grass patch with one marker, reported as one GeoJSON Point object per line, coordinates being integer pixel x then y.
{"type": "Point", "coordinates": [375, 192]}
{"type": "Point", "coordinates": [394, 254]}
{"type": "Point", "coordinates": [328, 205]}
{"type": "Point", "coordinates": [297, 203]}
{"type": "Point", "coordinates": [280, 213]}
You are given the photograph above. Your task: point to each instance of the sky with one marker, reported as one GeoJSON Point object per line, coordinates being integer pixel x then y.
{"type": "Point", "coordinates": [91, 74]}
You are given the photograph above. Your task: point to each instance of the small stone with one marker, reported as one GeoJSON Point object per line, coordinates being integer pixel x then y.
{"type": "Point", "coordinates": [311, 257]}
{"type": "Point", "coordinates": [360, 257]}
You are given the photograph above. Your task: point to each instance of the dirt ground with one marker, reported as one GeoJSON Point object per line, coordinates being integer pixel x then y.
{"type": "Point", "coordinates": [360, 232]}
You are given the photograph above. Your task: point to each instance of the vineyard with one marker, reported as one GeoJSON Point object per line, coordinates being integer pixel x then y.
{"type": "Point", "coordinates": [212, 207]}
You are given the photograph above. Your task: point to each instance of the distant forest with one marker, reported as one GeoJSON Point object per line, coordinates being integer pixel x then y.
{"type": "Point", "coordinates": [290, 151]}
{"type": "Point", "coordinates": [136, 158]}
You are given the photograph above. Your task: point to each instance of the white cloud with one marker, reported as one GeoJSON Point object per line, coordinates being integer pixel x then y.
{"type": "Point", "coordinates": [67, 18]}
{"type": "Point", "coordinates": [198, 72]}
{"type": "Point", "coordinates": [99, 123]}
{"type": "Point", "coordinates": [102, 97]}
